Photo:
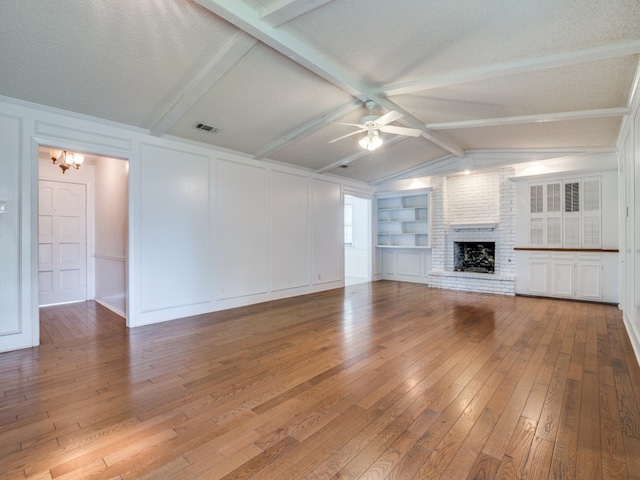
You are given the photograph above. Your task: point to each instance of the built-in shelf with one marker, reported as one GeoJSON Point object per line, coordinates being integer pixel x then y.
{"type": "Point", "coordinates": [403, 221]}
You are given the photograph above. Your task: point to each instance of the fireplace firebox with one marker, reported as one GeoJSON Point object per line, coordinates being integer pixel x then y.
{"type": "Point", "coordinates": [477, 257]}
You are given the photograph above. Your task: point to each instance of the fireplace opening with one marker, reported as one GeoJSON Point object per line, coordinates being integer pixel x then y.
{"type": "Point", "coordinates": [478, 257]}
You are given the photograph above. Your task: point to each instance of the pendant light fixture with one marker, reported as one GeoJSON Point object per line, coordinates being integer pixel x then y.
{"type": "Point", "coordinates": [66, 159]}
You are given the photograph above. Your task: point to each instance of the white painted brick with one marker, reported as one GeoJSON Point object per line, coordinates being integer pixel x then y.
{"type": "Point", "coordinates": [480, 198]}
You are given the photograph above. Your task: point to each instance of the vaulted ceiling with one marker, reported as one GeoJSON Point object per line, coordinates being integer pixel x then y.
{"type": "Point", "coordinates": [275, 76]}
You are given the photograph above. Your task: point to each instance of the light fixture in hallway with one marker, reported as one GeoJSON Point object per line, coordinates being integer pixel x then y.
{"type": "Point", "coordinates": [66, 159]}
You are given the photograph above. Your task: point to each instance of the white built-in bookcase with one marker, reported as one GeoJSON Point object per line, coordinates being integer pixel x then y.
{"type": "Point", "coordinates": [403, 221]}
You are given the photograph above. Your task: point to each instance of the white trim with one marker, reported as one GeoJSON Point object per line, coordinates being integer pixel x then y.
{"type": "Point", "coordinates": [284, 11]}
{"type": "Point", "coordinates": [488, 72]}
{"type": "Point", "coordinates": [109, 307]}
{"type": "Point", "coordinates": [245, 18]}
{"type": "Point", "coordinates": [231, 54]}
{"type": "Point", "coordinates": [539, 118]}
{"type": "Point", "coordinates": [633, 336]}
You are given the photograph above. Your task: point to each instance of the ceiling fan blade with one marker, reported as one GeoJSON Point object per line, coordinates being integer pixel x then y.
{"type": "Point", "coordinates": [347, 135]}
{"type": "Point", "coordinates": [410, 132]}
{"type": "Point", "coordinates": [388, 117]}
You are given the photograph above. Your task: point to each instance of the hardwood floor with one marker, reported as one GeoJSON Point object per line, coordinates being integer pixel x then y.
{"type": "Point", "coordinates": [77, 321]}
{"type": "Point", "coordinates": [377, 381]}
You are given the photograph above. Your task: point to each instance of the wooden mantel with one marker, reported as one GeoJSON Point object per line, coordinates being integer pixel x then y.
{"type": "Point", "coordinates": [541, 249]}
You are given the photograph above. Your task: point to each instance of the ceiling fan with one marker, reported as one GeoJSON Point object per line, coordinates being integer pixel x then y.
{"type": "Point", "coordinates": [373, 124]}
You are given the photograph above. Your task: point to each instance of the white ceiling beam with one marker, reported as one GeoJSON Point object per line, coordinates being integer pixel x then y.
{"type": "Point", "coordinates": [202, 83]}
{"type": "Point", "coordinates": [512, 68]}
{"type": "Point", "coordinates": [360, 154]}
{"type": "Point", "coordinates": [247, 19]}
{"type": "Point", "coordinates": [632, 102]}
{"type": "Point", "coordinates": [538, 118]}
{"type": "Point", "coordinates": [440, 162]}
{"type": "Point", "coordinates": [284, 11]}
{"type": "Point", "coordinates": [307, 128]}
{"type": "Point", "coordinates": [491, 159]}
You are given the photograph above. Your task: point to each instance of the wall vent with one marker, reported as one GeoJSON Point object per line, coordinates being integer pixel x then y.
{"type": "Point", "coordinates": [207, 128]}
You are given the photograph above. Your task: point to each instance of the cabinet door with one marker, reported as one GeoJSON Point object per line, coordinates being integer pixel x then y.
{"type": "Point", "coordinates": [388, 263]}
{"type": "Point", "coordinates": [589, 281]}
{"type": "Point", "coordinates": [562, 278]}
{"type": "Point", "coordinates": [539, 277]}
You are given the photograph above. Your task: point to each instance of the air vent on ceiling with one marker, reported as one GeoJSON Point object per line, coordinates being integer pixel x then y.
{"type": "Point", "coordinates": [207, 128]}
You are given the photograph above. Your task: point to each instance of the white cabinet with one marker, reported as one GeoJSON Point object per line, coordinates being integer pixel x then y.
{"type": "Point", "coordinates": [562, 275]}
{"type": "Point", "coordinates": [538, 276]}
{"type": "Point", "coordinates": [589, 285]}
{"type": "Point", "coordinates": [403, 221]}
{"type": "Point", "coordinates": [581, 275]}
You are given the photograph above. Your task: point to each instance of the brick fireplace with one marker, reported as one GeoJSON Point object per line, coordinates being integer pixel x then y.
{"type": "Point", "coordinates": [474, 210]}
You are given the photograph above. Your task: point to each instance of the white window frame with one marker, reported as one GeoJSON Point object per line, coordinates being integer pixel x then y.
{"type": "Point", "coordinates": [580, 227]}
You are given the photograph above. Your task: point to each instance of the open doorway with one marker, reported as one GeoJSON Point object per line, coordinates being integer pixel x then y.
{"type": "Point", "coordinates": [357, 240]}
{"type": "Point", "coordinates": [82, 233]}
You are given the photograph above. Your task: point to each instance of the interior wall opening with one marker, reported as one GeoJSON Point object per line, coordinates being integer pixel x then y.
{"type": "Point", "coordinates": [82, 231]}
{"type": "Point", "coordinates": [357, 240]}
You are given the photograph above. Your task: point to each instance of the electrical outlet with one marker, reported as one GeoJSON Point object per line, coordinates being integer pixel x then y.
{"type": "Point", "coordinates": [319, 276]}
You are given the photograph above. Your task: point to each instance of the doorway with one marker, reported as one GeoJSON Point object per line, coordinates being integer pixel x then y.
{"type": "Point", "coordinates": [83, 232]}
{"type": "Point", "coordinates": [357, 240]}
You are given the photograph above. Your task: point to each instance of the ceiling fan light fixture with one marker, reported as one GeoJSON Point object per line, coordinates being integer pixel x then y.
{"type": "Point", "coordinates": [371, 141]}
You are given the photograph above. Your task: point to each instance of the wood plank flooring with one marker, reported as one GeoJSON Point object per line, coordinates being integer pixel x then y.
{"type": "Point", "coordinates": [376, 381]}
{"type": "Point", "coordinates": [77, 321]}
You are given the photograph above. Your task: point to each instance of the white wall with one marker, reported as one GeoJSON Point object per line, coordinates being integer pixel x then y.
{"type": "Point", "coordinates": [15, 327]}
{"type": "Point", "coordinates": [111, 219]}
{"type": "Point", "coordinates": [629, 216]}
{"type": "Point", "coordinates": [327, 229]}
{"type": "Point", "coordinates": [290, 246]}
{"type": "Point", "coordinates": [207, 228]}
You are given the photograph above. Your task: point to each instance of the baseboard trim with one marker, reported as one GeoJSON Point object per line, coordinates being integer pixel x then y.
{"type": "Point", "coordinates": [631, 333]}
{"type": "Point", "coordinates": [109, 307]}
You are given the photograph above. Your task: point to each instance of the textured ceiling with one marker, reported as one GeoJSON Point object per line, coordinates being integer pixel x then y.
{"type": "Point", "coordinates": [275, 76]}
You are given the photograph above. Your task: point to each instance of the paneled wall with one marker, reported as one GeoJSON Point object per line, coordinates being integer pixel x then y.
{"type": "Point", "coordinates": [111, 212]}
{"type": "Point", "coordinates": [289, 215]}
{"type": "Point", "coordinates": [629, 180]}
{"type": "Point", "coordinates": [14, 325]}
{"type": "Point", "coordinates": [207, 229]}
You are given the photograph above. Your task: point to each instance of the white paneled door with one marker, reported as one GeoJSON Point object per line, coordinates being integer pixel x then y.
{"type": "Point", "coordinates": [62, 242]}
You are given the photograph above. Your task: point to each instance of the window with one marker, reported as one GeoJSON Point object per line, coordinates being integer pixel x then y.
{"type": "Point", "coordinates": [536, 199]}
{"type": "Point", "coordinates": [348, 224]}
{"type": "Point", "coordinates": [572, 197]}
{"type": "Point", "coordinates": [572, 220]}
{"type": "Point", "coordinates": [553, 197]}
